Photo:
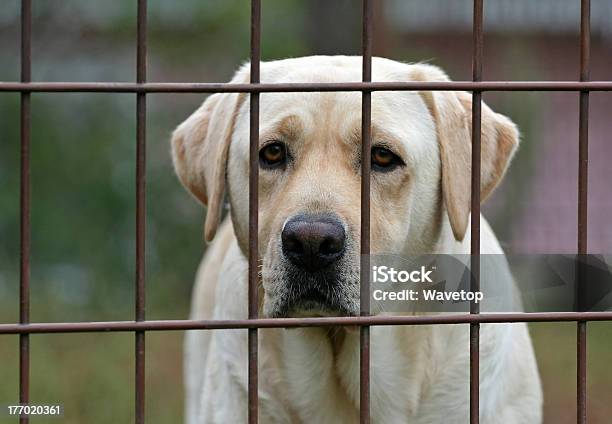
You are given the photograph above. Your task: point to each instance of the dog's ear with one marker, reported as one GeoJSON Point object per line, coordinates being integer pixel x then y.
{"type": "Point", "coordinates": [200, 147]}
{"type": "Point", "coordinates": [452, 112]}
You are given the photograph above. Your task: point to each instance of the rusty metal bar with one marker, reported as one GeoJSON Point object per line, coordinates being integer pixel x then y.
{"type": "Point", "coordinates": [366, 148]}
{"type": "Point", "coordinates": [141, 171]}
{"type": "Point", "coordinates": [141, 87]}
{"type": "Point", "coordinates": [477, 47]}
{"type": "Point", "coordinates": [193, 87]}
{"type": "Point", "coordinates": [373, 320]}
{"type": "Point", "coordinates": [24, 231]}
{"type": "Point", "coordinates": [254, 211]}
{"type": "Point", "coordinates": [583, 175]}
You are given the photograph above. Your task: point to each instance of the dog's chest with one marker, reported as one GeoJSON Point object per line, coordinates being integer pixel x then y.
{"type": "Point", "coordinates": [322, 375]}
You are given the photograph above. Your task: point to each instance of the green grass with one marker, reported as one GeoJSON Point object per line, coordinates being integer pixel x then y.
{"type": "Point", "coordinates": [92, 375]}
{"type": "Point", "coordinates": [555, 345]}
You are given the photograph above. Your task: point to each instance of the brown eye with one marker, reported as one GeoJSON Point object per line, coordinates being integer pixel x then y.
{"type": "Point", "coordinates": [384, 159]}
{"type": "Point", "coordinates": [273, 155]}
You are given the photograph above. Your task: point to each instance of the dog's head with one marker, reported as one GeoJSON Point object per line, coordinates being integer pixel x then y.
{"type": "Point", "coordinates": [309, 174]}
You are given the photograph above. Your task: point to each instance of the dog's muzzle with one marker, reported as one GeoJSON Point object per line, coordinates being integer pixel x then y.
{"type": "Point", "coordinates": [313, 246]}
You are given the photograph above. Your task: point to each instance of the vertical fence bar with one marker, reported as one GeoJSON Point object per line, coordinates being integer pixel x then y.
{"type": "Point", "coordinates": [24, 229]}
{"type": "Point", "coordinates": [583, 173]}
{"type": "Point", "coordinates": [141, 171]}
{"type": "Point", "coordinates": [254, 210]}
{"type": "Point", "coordinates": [477, 34]}
{"type": "Point", "coordinates": [366, 117]}
{"type": "Point", "coordinates": [253, 280]}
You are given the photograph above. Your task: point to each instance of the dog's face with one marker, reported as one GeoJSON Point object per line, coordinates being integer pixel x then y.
{"type": "Point", "coordinates": [310, 174]}
{"type": "Point", "coordinates": [309, 189]}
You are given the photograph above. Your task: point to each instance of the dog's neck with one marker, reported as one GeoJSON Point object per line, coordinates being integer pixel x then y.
{"type": "Point", "coordinates": [436, 239]}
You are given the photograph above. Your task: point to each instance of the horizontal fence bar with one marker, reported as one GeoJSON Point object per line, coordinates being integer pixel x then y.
{"type": "Point", "coordinates": [169, 325]}
{"type": "Point", "coordinates": [189, 87]}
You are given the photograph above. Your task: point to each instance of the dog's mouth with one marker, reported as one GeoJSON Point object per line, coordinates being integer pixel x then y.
{"type": "Point", "coordinates": [300, 295]}
{"type": "Point", "coordinates": [314, 303]}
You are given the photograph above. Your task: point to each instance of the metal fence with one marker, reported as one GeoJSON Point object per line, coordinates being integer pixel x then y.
{"type": "Point", "coordinates": [140, 325]}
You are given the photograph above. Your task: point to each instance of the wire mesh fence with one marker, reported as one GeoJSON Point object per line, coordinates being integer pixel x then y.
{"type": "Point", "coordinates": [141, 88]}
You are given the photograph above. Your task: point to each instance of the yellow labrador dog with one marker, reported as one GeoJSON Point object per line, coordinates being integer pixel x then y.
{"type": "Point", "coordinates": [309, 202]}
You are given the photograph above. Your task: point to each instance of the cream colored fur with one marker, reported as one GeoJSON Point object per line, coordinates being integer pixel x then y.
{"type": "Point", "coordinates": [419, 374]}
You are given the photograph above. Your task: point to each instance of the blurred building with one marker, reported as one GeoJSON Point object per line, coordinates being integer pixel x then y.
{"type": "Point", "coordinates": [535, 209]}
{"type": "Point", "coordinates": [513, 16]}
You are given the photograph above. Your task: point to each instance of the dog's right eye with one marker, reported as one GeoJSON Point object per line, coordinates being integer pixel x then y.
{"type": "Point", "coordinates": [273, 155]}
{"type": "Point", "coordinates": [384, 160]}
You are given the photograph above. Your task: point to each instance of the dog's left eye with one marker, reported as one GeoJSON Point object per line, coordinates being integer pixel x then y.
{"type": "Point", "coordinates": [273, 155]}
{"type": "Point", "coordinates": [384, 159]}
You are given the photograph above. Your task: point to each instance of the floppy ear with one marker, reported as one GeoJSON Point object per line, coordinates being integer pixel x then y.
{"type": "Point", "coordinates": [200, 147]}
{"type": "Point", "coordinates": [452, 112]}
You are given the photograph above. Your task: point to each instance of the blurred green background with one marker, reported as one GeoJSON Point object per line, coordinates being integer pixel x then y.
{"type": "Point", "coordinates": [83, 171]}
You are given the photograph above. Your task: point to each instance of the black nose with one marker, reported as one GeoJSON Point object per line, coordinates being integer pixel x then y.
{"type": "Point", "coordinates": [313, 242]}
